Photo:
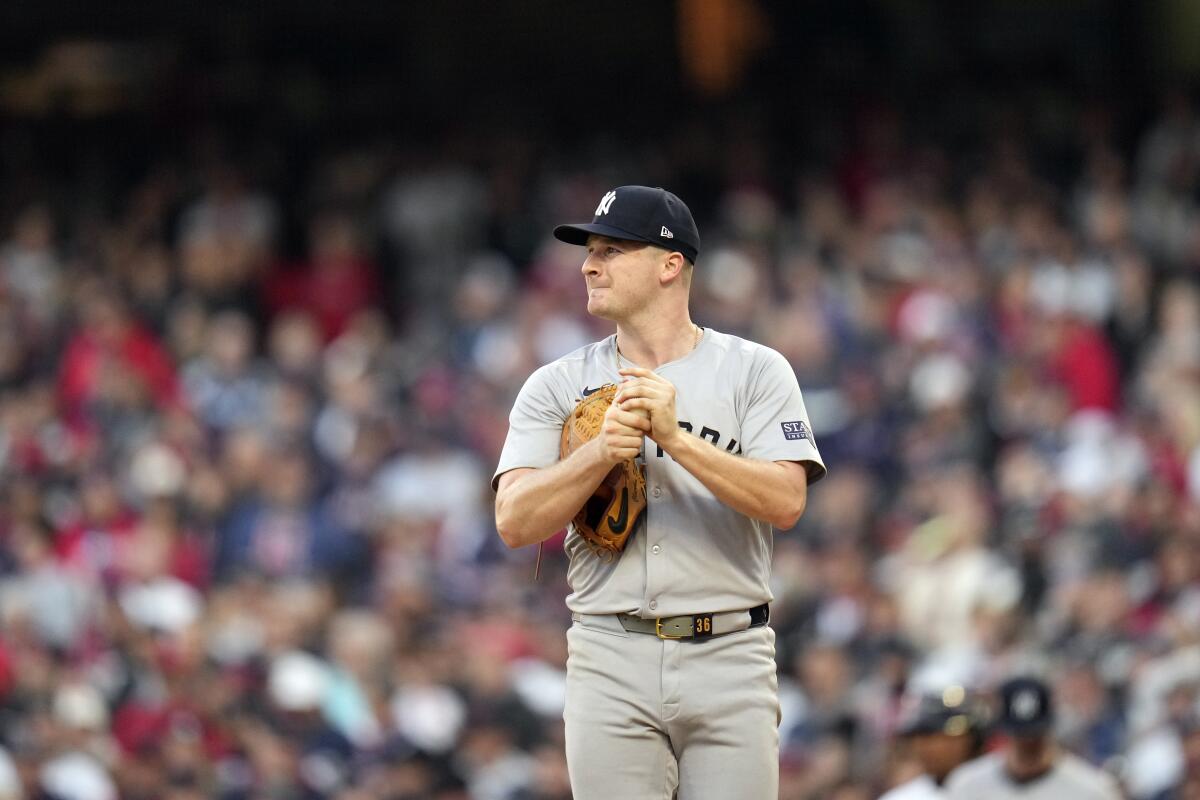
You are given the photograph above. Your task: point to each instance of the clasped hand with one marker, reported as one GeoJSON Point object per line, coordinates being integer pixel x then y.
{"type": "Point", "coordinates": [644, 392]}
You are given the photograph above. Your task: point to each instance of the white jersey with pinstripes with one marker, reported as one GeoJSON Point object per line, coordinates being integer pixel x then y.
{"type": "Point", "coordinates": [690, 553]}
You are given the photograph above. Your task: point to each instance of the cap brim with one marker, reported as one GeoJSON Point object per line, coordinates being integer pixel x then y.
{"type": "Point", "coordinates": [1024, 730]}
{"type": "Point", "coordinates": [922, 727]}
{"type": "Point", "coordinates": [578, 234]}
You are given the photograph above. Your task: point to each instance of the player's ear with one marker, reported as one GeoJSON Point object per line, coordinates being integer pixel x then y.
{"type": "Point", "coordinates": [671, 268]}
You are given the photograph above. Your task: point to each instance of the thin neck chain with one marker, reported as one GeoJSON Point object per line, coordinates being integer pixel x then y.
{"type": "Point", "coordinates": [695, 343]}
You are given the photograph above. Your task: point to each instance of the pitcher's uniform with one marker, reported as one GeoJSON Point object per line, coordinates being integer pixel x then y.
{"type": "Point", "coordinates": [647, 713]}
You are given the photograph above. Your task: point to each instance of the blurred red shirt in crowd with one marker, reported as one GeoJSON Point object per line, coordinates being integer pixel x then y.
{"type": "Point", "coordinates": [113, 360]}
{"type": "Point", "coordinates": [337, 283]}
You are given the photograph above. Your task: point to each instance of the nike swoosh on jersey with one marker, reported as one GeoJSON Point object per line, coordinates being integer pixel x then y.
{"type": "Point", "coordinates": [618, 525]}
{"type": "Point", "coordinates": [587, 391]}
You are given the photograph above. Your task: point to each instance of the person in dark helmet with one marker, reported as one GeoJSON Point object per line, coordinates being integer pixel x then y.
{"type": "Point", "coordinates": [942, 730]}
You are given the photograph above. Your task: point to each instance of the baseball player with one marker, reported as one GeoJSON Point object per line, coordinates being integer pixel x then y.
{"type": "Point", "coordinates": [671, 684]}
{"type": "Point", "coordinates": [1030, 766]}
{"type": "Point", "coordinates": [943, 730]}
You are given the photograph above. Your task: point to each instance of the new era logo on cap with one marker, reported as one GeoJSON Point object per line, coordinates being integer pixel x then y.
{"type": "Point", "coordinates": [640, 214]}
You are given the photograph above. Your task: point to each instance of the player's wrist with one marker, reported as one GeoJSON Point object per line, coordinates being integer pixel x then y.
{"type": "Point", "coordinates": [600, 455]}
{"type": "Point", "coordinates": [671, 441]}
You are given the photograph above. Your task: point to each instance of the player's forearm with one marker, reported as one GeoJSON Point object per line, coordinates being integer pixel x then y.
{"type": "Point", "coordinates": [762, 490]}
{"type": "Point", "coordinates": [543, 501]}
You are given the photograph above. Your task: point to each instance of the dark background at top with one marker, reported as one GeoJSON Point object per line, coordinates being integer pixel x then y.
{"type": "Point", "coordinates": [451, 62]}
{"type": "Point", "coordinates": [273, 84]}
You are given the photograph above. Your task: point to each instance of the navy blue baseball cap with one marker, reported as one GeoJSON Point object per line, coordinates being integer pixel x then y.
{"type": "Point", "coordinates": [640, 214]}
{"type": "Point", "coordinates": [953, 711]}
{"type": "Point", "coordinates": [1026, 707]}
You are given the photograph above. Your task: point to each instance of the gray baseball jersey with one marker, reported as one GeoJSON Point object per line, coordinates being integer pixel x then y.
{"type": "Point", "coordinates": [692, 553]}
{"type": "Point", "coordinates": [986, 779]}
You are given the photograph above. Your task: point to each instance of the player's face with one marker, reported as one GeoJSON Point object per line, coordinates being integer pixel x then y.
{"type": "Point", "coordinates": [621, 276]}
{"type": "Point", "coordinates": [941, 752]}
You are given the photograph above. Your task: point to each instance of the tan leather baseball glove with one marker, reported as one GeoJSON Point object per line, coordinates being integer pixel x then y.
{"type": "Point", "coordinates": [610, 515]}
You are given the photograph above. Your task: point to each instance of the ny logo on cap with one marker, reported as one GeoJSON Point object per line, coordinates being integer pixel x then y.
{"type": "Point", "coordinates": [605, 203]}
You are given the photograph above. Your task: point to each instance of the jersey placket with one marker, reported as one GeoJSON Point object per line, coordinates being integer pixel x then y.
{"type": "Point", "coordinates": [657, 577]}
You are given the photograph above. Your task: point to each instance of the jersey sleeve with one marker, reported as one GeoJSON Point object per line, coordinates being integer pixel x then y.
{"type": "Point", "coordinates": [775, 424]}
{"type": "Point", "coordinates": [534, 425]}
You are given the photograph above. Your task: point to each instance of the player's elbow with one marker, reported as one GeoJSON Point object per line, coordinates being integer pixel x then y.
{"type": "Point", "coordinates": [511, 522]}
{"type": "Point", "coordinates": [508, 525]}
{"type": "Point", "coordinates": [791, 497]}
{"type": "Point", "coordinates": [505, 524]}
{"type": "Point", "coordinates": [514, 512]}
{"type": "Point", "coordinates": [790, 513]}
{"type": "Point", "coordinates": [510, 535]}
{"type": "Point", "coordinates": [514, 528]}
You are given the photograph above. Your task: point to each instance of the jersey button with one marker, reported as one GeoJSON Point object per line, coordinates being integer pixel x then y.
{"type": "Point", "coordinates": [656, 549]}
{"type": "Point", "coordinates": [653, 605]}
{"type": "Point", "coordinates": [657, 492]}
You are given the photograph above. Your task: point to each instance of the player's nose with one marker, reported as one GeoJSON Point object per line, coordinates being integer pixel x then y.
{"type": "Point", "coordinates": [590, 268]}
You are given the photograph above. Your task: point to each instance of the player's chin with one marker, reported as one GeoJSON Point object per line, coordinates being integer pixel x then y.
{"type": "Point", "coordinates": [598, 308]}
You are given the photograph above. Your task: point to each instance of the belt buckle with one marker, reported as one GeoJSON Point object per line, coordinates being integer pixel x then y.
{"type": "Point", "coordinates": [658, 631]}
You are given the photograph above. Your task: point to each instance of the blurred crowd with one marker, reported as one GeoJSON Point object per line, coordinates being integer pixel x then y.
{"type": "Point", "coordinates": [246, 435]}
